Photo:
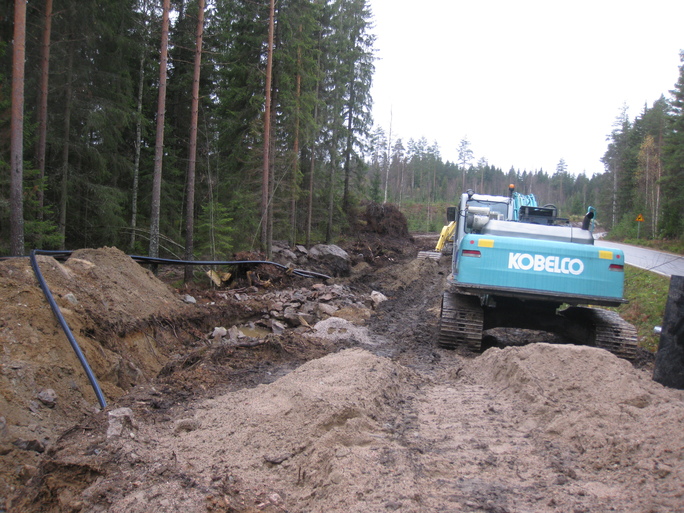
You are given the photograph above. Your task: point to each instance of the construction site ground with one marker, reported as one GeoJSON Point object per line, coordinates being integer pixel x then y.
{"type": "Point", "coordinates": [361, 414]}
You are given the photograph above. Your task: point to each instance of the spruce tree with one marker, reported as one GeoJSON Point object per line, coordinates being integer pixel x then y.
{"type": "Point", "coordinates": [673, 211]}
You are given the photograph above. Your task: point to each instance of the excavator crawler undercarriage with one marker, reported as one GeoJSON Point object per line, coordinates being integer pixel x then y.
{"type": "Point", "coordinates": [463, 320]}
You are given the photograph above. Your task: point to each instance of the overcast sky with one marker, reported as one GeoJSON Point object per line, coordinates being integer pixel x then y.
{"type": "Point", "coordinates": [526, 82]}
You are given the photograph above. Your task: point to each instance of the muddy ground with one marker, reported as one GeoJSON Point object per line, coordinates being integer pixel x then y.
{"type": "Point", "coordinates": [359, 411]}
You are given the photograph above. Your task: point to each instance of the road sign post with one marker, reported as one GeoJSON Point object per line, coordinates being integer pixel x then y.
{"type": "Point", "coordinates": [639, 219]}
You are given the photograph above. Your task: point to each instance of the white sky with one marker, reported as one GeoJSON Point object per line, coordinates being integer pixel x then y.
{"type": "Point", "coordinates": [528, 82]}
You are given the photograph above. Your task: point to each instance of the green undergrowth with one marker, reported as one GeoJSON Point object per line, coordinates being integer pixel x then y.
{"type": "Point", "coordinates": [672, 246]}
{"type": "Point", "coordinates": [425, 217]}
{"type": "Point", "coordinates": [647, 295]}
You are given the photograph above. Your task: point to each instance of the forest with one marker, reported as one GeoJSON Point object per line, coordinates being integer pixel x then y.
{"type": "Point", "coordinates": [197, 128]}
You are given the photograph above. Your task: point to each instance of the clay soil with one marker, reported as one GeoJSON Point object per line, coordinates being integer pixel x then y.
{"type": "Point", "coordinates": [361, 414]}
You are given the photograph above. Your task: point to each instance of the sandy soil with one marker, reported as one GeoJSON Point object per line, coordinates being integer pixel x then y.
{"type": "Point", "coordinates": [364, 416]}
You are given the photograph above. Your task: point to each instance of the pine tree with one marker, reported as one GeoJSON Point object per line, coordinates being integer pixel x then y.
{"type": "Point", "coordinates": [620, 161]}
{"type": "Point", "coordinates": [465, 156]}
{"type": "Point", "coordinates": [159, 143]}
{"type": "Point", "coordinates": [42, 108]}
{"type": "Point", "coordinates": [673, 204]}
{"type": "Point", "coordinates": [17, 131]}
{"type": "Point", "coordinates": [192, 145]}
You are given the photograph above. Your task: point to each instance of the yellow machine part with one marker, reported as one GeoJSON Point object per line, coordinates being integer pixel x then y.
{"type": "Point", "coordinates": [446, 235]}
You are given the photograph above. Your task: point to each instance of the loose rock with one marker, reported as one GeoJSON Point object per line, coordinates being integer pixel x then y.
{"type": "Point", "coordinates": [377, 298]}
{"type": "Point", "coordinates": [118, 419]}
{"type": "Point", "coordinates": [186, 425]}
{"type": "Point", "coordinates": [48, 397]}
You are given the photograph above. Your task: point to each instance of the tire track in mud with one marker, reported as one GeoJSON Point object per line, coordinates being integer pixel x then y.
{"type": "Point", "coordinates": [407, 325]}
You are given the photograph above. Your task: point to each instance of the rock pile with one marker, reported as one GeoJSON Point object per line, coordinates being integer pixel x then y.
{"type": "Point", "coordinates": [300, 309]}
{"type": "Point", "coordinates": [323, 258]}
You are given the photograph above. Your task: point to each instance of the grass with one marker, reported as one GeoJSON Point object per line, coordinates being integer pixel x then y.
{"type": "Point", "coordinates": [647, 295]}
{"type": "Point", "coordinates": [672, 246]}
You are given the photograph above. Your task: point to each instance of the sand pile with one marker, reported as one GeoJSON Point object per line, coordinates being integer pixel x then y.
{"type": "Point", "coordinates": [606, 416]}
{"type": "Point", "coordinates": [305, 442]}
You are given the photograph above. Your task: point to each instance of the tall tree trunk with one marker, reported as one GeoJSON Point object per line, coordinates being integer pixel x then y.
{"type": "Point", "coordinates": [269, 216]}
{"type": "Point", "coordinates": [401, 180]}
{"type": "Point", "coordinates": [211, 182]}
{"type": "Point", "coordinates": [614, 203]}
{"type": "Point", "coordinates": [68, 101]}
{"type": "Point", "coordinates": [159, 142]}
{"type": "Point", "coordinates": [647, 192]}
{"type": "Point", "coordinates": [17, 131]}
{"type": "Point", "coordinates": [348, 149]}
{"type": "Point", "coordinates": [312, 163]}
{"type": "Point", "coordinates": [42, 104]}
{"type": "Point", "coordinates": [656, 207]}
{"type": "Point", "coordinates": [659, 164]}
{"type": "Point", "coordinates": [295, 150]}
{"type": "Point", "coordinates": [387, 163]}
{"type": "Point", "coordinates": [265, 243]}
{"type": "Point", "coordinates": [192, 151]}
{"type": "Point", "coordinates": [433, 191]}
{"type": "Point", "coordinates": [144, 8]}
{"type": "Point", "coordinates": [294, 185]}
{"type": "Point", "coordinates": [331, 190]}
{"type": "Point", "coordinates": [309, 206]}
{"type": "Point", "coordinates": [271, 182]}
{"type": "Point", "coordinates": [138, 148]}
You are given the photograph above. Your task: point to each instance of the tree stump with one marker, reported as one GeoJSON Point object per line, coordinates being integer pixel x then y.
{"type": "Point", "coordinates": [669, 364]}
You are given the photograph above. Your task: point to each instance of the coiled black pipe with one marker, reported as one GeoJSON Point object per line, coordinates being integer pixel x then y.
{"type": "Point", "coordinates": [140, 259]}
{"type": "Point", "coordinates": [65, 328]}
{"type": "Point", "coordinates": [299, 272]}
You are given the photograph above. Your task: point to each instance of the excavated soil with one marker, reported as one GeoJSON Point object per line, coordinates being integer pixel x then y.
{"type": "Point", "coordinates": [357, 411]}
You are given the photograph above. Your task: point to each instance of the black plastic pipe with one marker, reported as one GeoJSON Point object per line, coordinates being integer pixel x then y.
{"type": "Point", "coordinates": [299, 272]}
{"type": "Point", "coordinates": [67, 331]}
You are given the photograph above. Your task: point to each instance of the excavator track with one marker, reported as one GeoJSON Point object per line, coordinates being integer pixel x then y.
{"type": "Point", "coordinates": [611, 332]}
{"type": "Point", "coordinates": [461, 322]}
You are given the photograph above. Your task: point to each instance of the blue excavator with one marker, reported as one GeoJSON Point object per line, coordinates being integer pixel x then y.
{"type": "Point", "coordinates": [519, 265]}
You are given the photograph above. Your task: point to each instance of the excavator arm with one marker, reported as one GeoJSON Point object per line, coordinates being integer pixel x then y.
{"type": "Point", "coordinates": [446, 235]}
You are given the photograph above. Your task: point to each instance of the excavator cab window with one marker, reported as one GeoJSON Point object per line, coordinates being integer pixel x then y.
{"type": "Point", "coordinates": [500, 209]}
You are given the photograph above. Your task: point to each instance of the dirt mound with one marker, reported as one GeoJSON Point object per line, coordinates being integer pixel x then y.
{"type": "Point", "coordinates": [570, 373]}
{"type": "Point", "coordinates": [112, 306]}
{"type": "Point", "coordinates": [304, 441]}
{"type": "Point", "coordinates": [116, 292]}
{"type": "Point", "coordinates": [599, 414]}
{"type": "Point", "coordinates": [380, 237]}
{"type": "Point", "coordinates": [385, 219]}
